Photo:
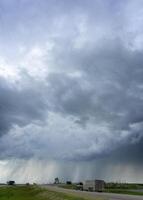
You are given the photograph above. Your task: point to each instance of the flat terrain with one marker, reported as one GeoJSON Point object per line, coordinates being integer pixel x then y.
{"type": "Point", "coordinates": [47, 192]}
{"type": "Point", "coordinates": [34, 193]}
{"type": "Point", "coordinates": [94, 195]}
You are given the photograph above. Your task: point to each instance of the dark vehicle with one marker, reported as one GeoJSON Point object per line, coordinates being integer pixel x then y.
{"type": "Point", "coordinates": [11, 182]}
{"type": "Point", "coordinates": [68, 182]}
{"type": "Point", "coordinates": [79, 187]}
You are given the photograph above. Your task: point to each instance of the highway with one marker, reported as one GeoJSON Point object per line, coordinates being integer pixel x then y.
{"type": "Point", "coordinates": [94, 195]}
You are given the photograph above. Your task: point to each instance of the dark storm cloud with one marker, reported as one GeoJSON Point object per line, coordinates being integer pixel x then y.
{"type": "Point", "coordinates": [109, 85]}
{"type": "Point", "coordinates": [103, 98]}
{"type": "Point", "coordinates": [18, 106]}
{"type": "Point", "coordinates": [108, 89]}
{"type": "Point", "coordinates": [71, 89]}
{"type": "Point", "coordinates": [128, 154]}
{"type": "Point", "coordinates": [86, 79]}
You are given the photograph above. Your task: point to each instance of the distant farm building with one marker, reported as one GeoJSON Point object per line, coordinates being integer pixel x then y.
{"type": "Point", "coordinates": [94, 185]}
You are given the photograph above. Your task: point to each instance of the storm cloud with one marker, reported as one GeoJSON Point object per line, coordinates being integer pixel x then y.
{"type": "Point", "coordinates": [71, 83]}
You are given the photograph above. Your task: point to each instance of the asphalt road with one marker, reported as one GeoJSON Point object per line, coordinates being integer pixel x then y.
{"type": "Point", "coordinates": [93, 195]}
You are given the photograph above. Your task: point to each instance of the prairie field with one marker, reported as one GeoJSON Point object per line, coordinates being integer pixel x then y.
{"type": "Point", "coordinates": [33, 193]}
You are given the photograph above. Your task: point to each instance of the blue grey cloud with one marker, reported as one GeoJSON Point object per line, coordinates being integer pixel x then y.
{"type": "Point", "coordinates": [71, 85]}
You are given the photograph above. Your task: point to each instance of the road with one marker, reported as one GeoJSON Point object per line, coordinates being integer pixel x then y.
{"type": "Point", "coordinates": [94, 195]}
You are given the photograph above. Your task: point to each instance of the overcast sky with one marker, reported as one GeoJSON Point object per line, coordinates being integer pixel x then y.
{"type": "Point", "coordinates": [71, 90]}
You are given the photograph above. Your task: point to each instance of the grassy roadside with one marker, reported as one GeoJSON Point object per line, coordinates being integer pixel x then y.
{"type": "Point", "coordinates": [18, 193]}
{"type": "Point", "coordinates": [34, 193]}
{"type": "Point", "coordinates": [123, 191]}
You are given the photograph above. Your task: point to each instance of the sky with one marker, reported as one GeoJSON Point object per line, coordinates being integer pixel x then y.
{"type": "Point", "coordinates": [71, 90]}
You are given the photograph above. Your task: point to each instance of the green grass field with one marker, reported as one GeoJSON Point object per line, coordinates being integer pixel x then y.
{"type": "Point", "coordinates": [124, 188]}
{"type": "Point", "coordinates": [123, 191]}
{"type": "Point", "coordinates": [33, 193]}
